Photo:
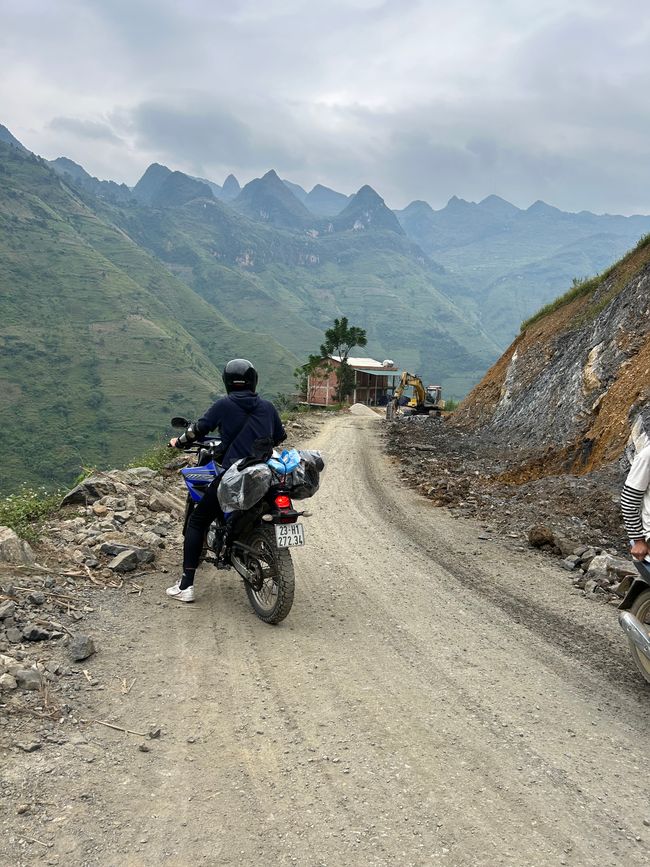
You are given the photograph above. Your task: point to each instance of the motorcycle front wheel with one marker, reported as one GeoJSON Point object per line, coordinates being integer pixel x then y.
{"type": "Point", "coordinates": [271, 594]}
{"type": "Point", "coordinates": [641, 610]}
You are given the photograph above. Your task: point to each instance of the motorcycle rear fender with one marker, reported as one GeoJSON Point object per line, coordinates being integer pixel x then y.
{"type": "Point", "coordinates": [638, 586]}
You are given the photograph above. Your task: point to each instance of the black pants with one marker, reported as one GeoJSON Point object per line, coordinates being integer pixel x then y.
{"type": "Point", "coordinates": [203, 514]}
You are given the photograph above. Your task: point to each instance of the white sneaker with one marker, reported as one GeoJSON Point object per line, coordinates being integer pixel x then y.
{"type": "Point", "coordinates": [186, 595]}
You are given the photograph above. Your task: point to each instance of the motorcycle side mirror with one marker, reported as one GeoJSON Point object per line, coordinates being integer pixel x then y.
{"type": "Point", "coordinates": [179, 421]}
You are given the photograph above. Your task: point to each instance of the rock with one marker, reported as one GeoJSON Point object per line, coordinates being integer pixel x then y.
{"type": "Point", "coordinates": [81, 647]}
{"type": "Point", "coordinates": [7, 609]}
{"type": "Point", "coordinates": [570, 562]}
{"type": "Point", "coordinates": [144, 748]}
{"type": "Point", "coordinates": [36, 598]}
{"type": "Point", "coordinates": [100, 510]}
{"type": "Point", "coordinates": [33, 632]}
{"type": "Point", "coordinates": [540, 535]}
{"type": "Point", "coordinates": [126, 561]}
{"type": "Point", "coordinates": [91, 489]}
{"type": "Point", "coordinates": [565, 546]}
{"type": "Point", "coordinates": [14, 635]}
{"type": "Point", "coordinates": [8, 682]}
{"type": "Point", "coordinates": [13, 549]}
{"type": "Point", "coordinates": [166, 503]}
{"type": "Point", "coordinates": [28, 678]}
{"type": "Point", "coordinates": [123, 517]}
{"type": "Point", "coordinates": [588, 555]}
{"type": "Point", "coordinates": [153, 539]}
{"type": "Point", "coordinates": [112, 549]}
{"type": "Point", "coordinates": [154, 732]}
{"type": "Point", "coordinates": [140, 472]}
{"type": "Point", "coordinates": [30, 747]}
{"type": "Point", "coordinates": [609, 567]}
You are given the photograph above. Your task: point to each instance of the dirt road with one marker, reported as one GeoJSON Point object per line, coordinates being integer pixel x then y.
{"type": "Point", "coordinates": [432, 698]}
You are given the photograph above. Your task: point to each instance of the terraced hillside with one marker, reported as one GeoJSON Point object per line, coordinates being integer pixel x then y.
{"type": "Point", "coordinates": [100, 342]}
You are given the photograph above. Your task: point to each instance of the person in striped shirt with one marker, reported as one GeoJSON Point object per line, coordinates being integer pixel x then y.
{"type": "Point", "coordinates": [635, 503]}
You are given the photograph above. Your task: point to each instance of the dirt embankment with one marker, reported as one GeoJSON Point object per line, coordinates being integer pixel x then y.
{"type": "Point", "coordinates": [565, 394]}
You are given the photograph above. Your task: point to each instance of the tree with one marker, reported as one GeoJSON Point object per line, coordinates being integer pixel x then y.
{"type": "Point", "coordinates": [305, 371]}
{"type": "Point", "coordinates": [340, 340]}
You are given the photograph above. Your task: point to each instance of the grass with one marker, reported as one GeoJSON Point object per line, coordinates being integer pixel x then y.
{"type": "Point", "coordinates": [156, 458]}
{"type": "Point", "coordinates": [25, 510]}
{"type": "Point", "coordinates": [624, 270]}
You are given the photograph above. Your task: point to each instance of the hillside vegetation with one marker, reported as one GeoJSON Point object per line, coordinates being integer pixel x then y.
{"type": "Point", "coordinates": [100, 343]}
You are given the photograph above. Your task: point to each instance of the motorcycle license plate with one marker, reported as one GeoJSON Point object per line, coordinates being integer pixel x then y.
{"type": "Point", "coordinates": [289, 535]}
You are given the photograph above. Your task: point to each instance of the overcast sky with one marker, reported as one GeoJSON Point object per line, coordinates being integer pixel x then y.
{"type": "Point", "coordinates": [422, 99]}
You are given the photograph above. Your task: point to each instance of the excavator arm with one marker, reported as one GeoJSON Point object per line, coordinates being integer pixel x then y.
{"type": "Point", "coordinates": [421, 401]}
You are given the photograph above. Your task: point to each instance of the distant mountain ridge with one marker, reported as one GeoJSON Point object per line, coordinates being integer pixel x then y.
{"type": "Point", "coordinates": [188, 267]}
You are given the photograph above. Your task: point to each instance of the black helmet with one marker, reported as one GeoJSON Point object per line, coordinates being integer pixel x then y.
{"type": "Point", "coordinates": [239, 374]}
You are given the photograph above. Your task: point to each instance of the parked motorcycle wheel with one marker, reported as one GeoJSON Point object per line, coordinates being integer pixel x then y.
{"type": "Point", "coordinates": [276, 579]}
{"type": "Point", "coordinates": [641, 610]}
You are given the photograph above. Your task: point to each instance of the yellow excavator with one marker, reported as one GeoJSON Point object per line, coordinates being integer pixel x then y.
{"type": "Point", "coordinates": [425, 401]}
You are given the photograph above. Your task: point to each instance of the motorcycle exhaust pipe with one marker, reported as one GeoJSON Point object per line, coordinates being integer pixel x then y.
{"type": "Point", "coordinates": [635, 631]}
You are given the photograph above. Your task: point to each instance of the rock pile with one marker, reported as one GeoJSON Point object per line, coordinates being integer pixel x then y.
{"type": "Point", "coordinates": [110, 528]}
{"type": "Point", "coordinates": [595, 570]}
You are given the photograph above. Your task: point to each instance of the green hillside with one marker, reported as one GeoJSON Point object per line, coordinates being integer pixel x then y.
{"type": "Point", "coordinates": [100, 343]}
{"type": "Point", "coordinates": [507, 262]}
{"type": "Point", "coordinates": [293, 284]}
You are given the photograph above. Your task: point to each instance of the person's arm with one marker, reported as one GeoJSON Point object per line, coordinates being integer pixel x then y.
{"type": "Point", "coordinates": [634, 490]}
{"type": "Point", "coordinates": [208, 422]}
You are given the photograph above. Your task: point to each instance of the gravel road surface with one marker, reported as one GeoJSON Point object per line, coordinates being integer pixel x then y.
{"type": "Point", "coordinates": [431, 699]}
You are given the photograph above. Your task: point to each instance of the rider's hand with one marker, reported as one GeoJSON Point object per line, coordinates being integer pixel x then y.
{"type": "Point", "coordinates": [173, 443]}
{"type": "Point", "coordinates": [640, 549]}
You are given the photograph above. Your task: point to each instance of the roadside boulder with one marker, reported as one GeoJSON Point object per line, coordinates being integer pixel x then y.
{"type": "Point", "coordinates": [112, 549]}
{"type": "Point", "coordinates": [126, 561]}
{"type": "Point", "coordinates": [28, 678]}
{"type": "Point", "coordinates": [33, 632]}
{"type": "Point", "coordinates": [81, 647]}
{"type": "Point", "coordinates": [166, 503]}
{"type": "Point", "coordinates": [90, 490]}
{"type": "Point", "coordinates": [540, 535]}
{"type": "Point", "coordinates": [13, 549]}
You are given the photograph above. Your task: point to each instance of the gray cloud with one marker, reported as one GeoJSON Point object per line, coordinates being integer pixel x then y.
{"type": "Point", "coordinates": [420, 98]}
{"type": "Point", "coordinates": [85, 129]}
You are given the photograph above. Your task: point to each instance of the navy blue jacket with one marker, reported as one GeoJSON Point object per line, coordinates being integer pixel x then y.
{"type": "Point", "coordinates": [242, 418]}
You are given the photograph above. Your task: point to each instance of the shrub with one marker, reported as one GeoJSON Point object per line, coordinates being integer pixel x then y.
{"type": "Point", "coordinates": [156, 458]}
{"type": "Point", "coordinates": [26, 509]}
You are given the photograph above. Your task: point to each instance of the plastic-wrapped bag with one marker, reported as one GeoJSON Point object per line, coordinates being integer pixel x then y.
{"type": "Point", "coordinates": [241, 489]}
{"type": "Point", "coordinates": [304, 480]}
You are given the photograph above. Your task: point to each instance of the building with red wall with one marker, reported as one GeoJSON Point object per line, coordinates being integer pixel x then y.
{"type": "Point", "coordinates": [373, 381]}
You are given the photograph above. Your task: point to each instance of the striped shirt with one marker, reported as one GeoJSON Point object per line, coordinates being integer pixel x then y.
{"type": "Point", "coordinates": [635, 497]}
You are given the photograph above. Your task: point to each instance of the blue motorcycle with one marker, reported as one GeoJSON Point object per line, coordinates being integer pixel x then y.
{"type": "Point", "coordinates": [257, 540]}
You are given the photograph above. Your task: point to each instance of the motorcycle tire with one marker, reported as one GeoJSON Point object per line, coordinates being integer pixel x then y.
{"type": "Point", "coordinates": [641, 610]}
{"type": "Point", "coordinates": [273, 601]}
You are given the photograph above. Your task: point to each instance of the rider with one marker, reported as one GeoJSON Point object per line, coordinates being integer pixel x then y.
{"type": "Point", "coordinates": [244, 420]}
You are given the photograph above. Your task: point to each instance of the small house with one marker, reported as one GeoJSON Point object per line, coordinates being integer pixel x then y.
{"type": "Point", "coordinates": [374, 382]}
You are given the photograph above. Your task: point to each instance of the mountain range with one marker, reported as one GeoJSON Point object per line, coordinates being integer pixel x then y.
{"type": "Point", "coordinates": [118, 305]}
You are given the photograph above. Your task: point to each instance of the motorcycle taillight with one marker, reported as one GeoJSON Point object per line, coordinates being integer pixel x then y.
{"type": "Point", "coordinates": [282, 501]}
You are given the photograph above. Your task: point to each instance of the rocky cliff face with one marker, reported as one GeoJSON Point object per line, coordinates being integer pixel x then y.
{"type": "Point", "coordinates": [576, 381]}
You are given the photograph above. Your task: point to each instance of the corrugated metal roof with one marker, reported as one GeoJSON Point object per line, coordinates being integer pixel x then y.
{"type": "Point", "coordinates": [364, 363]}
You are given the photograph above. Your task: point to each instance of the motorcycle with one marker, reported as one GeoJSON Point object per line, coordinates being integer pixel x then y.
{"type": "Point", "coordinates": [258, 540]}
{"type": "Point", "coordinates": [634, 618]}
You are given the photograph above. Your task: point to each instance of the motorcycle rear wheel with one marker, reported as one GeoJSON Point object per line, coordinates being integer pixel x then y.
{"type": "Point", "coordinates": [641, 610]}
{"type": "Point", "coordinates": [273, 601]}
